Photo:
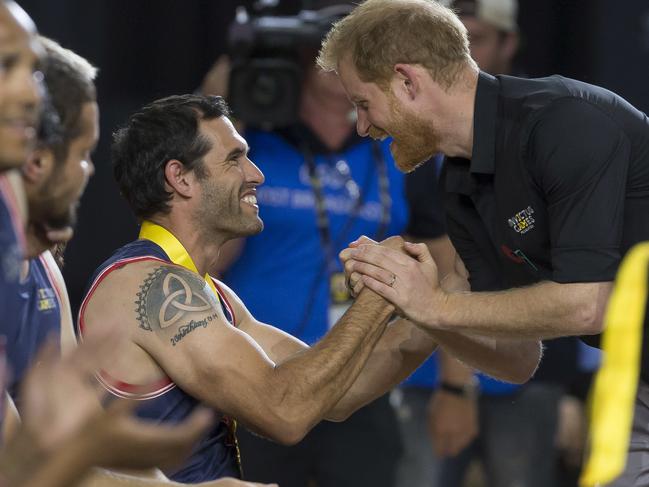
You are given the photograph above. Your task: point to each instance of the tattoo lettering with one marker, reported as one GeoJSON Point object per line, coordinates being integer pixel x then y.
{"type": "Point", "coordinates": [185, 330]}
{"type": "Point", "coordinates": [167, 295]}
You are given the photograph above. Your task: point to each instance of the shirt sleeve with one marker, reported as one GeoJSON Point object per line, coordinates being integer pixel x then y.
{"type": "Point", "coordinates": [426, 216]}
{"type": "Point", "coordinates": [580, 159]}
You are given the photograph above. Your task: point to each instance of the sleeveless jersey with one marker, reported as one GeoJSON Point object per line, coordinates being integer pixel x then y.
{"type": "Point", "coordinates": [215, 456]}
{"type": "Point", "coordinates": [39, 317]}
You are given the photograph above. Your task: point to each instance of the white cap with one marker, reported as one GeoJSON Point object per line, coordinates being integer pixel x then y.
{"type": "Point", "coordinates": [502, 14]}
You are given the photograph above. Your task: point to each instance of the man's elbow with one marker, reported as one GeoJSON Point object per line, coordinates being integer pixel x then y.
{"type": "Point", "coordinates": [523, 374]}
{"type": "Point", "coordinates": [523, 369]}
{"type": "Point", "coordinates": [589, 319]}
{"type": "Point", "coordinates": [519, 375]}
{"type": "Point", "coordinates": [587, 308]}
{"type": "Point", "coordinates": [289, 433]}
{"type": "Point", "coordinates": [340, 413]}
{"type": "Point", "coordinates": [286, 427]}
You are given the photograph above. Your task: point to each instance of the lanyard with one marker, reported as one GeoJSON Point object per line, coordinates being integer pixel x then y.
{"type": "Point", "coordinates": [322, 218]}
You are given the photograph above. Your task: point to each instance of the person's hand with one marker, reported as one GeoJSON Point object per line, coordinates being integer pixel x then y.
{"type": "Point", "coordinates": [353, 279]}
{"type": "Point", "coordinates": [59, 396]}
{"type": "Point", "coordinates": [118, 439]}
{"type": "Point", "coordinates": [452, 422]}
{"type": "Point", "coordinates": [217, 78]}
{"type": "Point", "coordinates": [61, 409]}
{"type": "Point", "coordinates": [408, 280]}
{"type": "Point", "coordinates": [571, 430]}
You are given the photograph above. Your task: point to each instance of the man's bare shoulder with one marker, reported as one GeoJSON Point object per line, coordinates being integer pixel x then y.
{"type": "Point", "coordinates": [152, 293]}
{"type": "Point", "coordinates": [119, 281]}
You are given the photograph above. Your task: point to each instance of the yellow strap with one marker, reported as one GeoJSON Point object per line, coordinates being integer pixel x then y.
{"type": "Point", "coordinates": [173, 248]}
{"type": "Point", "coordinates": [613, 394]}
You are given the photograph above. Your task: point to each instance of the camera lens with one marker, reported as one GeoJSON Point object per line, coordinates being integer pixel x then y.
{"type": "Point", "coordinates": [265, 90]}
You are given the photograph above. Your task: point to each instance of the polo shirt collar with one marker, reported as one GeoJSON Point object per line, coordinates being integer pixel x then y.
{"type": "Point", "coordinates": [484, 124]}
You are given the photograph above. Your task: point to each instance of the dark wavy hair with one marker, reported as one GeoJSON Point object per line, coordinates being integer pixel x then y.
{"type": "Point", "coordinates": [69, 80]}
{"type": "Point", "coordinates": [166, 129]}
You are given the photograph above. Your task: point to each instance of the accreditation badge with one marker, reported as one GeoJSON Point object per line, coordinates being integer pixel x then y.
{"type": "Point", "coordinates": [339, 297]}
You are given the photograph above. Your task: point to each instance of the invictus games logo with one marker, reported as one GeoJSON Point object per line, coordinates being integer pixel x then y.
{"type": "Point", "coordinates": [523, 221]}
{"type": "Point", "coordinates": [46, 299]}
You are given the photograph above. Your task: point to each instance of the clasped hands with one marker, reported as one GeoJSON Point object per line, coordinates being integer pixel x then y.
{"type": "Point", "coordinates": [401, 272]}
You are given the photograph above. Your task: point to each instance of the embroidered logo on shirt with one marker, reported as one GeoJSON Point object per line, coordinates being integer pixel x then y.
{"type": "Point", "coordinates": [523, 221]}
{"type": "Point", "coordinates": [46, 299]}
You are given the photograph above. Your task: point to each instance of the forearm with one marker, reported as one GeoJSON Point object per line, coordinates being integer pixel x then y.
{"type": "Point", "coordinates": [545, 310]}
{"type": "Point", "coordinates": [453, 371]}
{"type": "Point", "coordinates": [19, 459]}
{"type": "Point", "coordinates": [311, 382]}
{"type": "Point", "coordinates": [511, 360]}
{"type": "Point", "coordinates": [400, 350]}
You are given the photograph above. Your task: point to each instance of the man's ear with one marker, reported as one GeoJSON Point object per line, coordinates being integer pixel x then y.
{"type": "Point", "coordinates": [407, 80]}
{"type": "Point", "coordinates": [39, 166]}
{"type": "Point", "coordinates": [179, 179]}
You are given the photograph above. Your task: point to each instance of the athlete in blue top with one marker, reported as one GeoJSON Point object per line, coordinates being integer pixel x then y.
{"type": "Point", "coordinates": [19, 101]}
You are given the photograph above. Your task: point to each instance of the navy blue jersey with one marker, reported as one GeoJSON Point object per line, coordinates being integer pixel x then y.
{"type": "Point", "coordinates": [215, 456]}
{"type": "Point", "coordinates": [39, 317]}
{"type": "Point", "coordinates": [12, 245]}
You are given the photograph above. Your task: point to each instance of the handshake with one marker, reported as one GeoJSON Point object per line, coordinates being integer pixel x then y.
{"type": "Point", "coordinates": [401, 272]}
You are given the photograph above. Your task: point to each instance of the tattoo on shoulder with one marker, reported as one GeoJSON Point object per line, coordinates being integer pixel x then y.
{"type": "Point", "coordinates": [167, 295]}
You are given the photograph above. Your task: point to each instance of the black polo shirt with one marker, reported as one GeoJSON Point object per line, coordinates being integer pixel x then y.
{"type": "Point", "coordinates": [557, 187]}
{"type": "Point", "coordinates": [426, 216]}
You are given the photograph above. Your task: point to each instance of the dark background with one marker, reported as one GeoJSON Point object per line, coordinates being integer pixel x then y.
{"type": "Point", "coordinates": [146, 49]}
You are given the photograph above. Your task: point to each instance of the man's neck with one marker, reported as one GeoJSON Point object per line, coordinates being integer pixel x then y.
{"type": "Point", "coordinates": [329, 119]}
{"type": "Point", "coordinates": [457, 129]}
{"type": "Point", "coordinates": [35, 245]}
{"type": "Point", "coordinates": [203, 251]}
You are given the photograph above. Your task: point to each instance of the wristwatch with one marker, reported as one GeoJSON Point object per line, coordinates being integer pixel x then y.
{"type": "Point", "coordinates": [468, 390]}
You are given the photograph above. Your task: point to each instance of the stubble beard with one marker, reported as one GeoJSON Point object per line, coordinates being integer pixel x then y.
{"type": "Point", "coordinates": [218, 217]}
{"type": "Point", "coordinates": [414, 141]}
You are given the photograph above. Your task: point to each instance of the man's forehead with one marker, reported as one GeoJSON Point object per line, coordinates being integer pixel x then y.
{"type": "Point", "coordinates": [223, 134]}
{"type": "Point", "coordinates": [90, 119]}
{"type": "Point", "coordinates": [89, 123]}
{"type": "Point", "coordinates": [349, 79]}
{"type": "Point", "coordinates": [18, 32]}
{"type": "Point", "coordinates": [14, 21]}
{"type": "Point", "coordinates": [357, 89]}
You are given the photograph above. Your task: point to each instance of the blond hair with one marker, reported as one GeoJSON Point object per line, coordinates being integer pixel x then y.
{"type": "Point", "coordinates": [381, 33]}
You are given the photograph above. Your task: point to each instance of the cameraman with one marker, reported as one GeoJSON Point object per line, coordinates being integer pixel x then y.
{"type": "Point", "coordinates": [324, 187]}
